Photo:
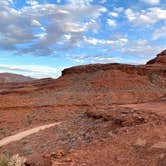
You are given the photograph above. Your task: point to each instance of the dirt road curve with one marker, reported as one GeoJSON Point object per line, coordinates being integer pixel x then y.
{"type": "Point", "coordinates": [24, 134]}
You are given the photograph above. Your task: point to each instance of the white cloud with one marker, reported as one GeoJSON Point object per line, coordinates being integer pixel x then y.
{"type": "Point", "coordinates": [36, 71]}
{"type": "Point", "coordinates": [84, 59]}
{"type": "Point", "coordinates": [113, 14]}
{"type": "Point", "coordinates": [146, 17]}
{"type": "Point", "coordinates": [23, 26]}
{"type": "Point", "coordinates": [80, 3]}
{"type": "Point", "coordinates": [32, 2]}
{"type": "Point", "coordinates": [74, 27]}
{"type": "Point", "coordinates": [35, 23]}
{"type": "Point", "coordinates": [151, 2]}
{"type": "Point", "coordinates": [141, 48]}
{"type": "Point", "coordinates": [104, 59]}
{"type": "Point", "coordinates": [111, 23]}
{"type": "Point", "coordinates": [94, 41]}
{"type": "Point", "coordinates": [160, 33]}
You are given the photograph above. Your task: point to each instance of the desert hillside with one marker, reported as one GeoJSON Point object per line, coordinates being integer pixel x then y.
{"type": "Point", "coordinates": [106, 115]}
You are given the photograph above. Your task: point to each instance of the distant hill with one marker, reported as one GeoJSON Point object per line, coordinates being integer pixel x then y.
{"type": "Point", "coordinates": [9, 77]}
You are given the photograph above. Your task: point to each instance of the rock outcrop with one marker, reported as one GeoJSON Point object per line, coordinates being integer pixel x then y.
{"type": "Point", "coordinates": [160, 59]}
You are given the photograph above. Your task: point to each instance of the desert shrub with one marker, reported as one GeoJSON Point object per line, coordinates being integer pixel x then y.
{"type": "Point", "coordinates": [15, 160]}
{"type": "Point", "coordinates": [4, 160]}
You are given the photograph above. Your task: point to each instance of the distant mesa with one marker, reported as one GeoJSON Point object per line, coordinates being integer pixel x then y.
{"type": "Point", "coordinates": [9, 77]}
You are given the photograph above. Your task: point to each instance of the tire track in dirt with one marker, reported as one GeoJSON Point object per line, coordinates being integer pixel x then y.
{"type": "Point", "coordinates": [26, 133]}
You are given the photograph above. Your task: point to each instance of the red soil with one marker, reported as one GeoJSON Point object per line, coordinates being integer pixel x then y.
{"type": "Point", "coordinates": [111, 114]}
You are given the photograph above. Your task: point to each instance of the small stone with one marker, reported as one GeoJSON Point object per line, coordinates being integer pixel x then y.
{"type": "Point", "coordinates": [140, 142]}
{"type": "Point", "coordinates": [68, 160]}
{"type": "Point", "coordinates": [58, 154]}
{"type": "Point", "coordinates": [110, 134]}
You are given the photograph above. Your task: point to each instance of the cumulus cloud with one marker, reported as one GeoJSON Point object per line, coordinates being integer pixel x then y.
{"type": "Point", "coordinates": [41, 28]}
{"type": "Point", "coordinates": [44, 29]}
{"type": "Point", "coordinates": [146, 17]}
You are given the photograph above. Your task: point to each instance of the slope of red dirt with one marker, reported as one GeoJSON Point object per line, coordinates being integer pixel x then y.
{"type": "Point", "coordinates": [110, 114]}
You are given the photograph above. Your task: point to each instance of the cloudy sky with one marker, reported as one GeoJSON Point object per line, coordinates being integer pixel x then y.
{"type": "Point", "coordinates": [40, 38]}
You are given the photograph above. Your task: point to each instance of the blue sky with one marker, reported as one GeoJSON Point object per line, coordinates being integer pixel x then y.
{"type": "Point", "coordinates": [39, 38]}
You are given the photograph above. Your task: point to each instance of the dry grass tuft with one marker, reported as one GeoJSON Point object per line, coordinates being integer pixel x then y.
{"type": "Point", "coordinates": [15, 160]}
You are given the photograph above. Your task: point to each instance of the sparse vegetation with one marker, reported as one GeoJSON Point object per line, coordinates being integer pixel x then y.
{"type": "Point", "coordinates": [15, 160]}
{"type": "Point", "coordinates": [4, 160]}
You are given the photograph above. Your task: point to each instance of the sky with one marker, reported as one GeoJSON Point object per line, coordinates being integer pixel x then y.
{"type": "Point", "coordinates": [39, 38]}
